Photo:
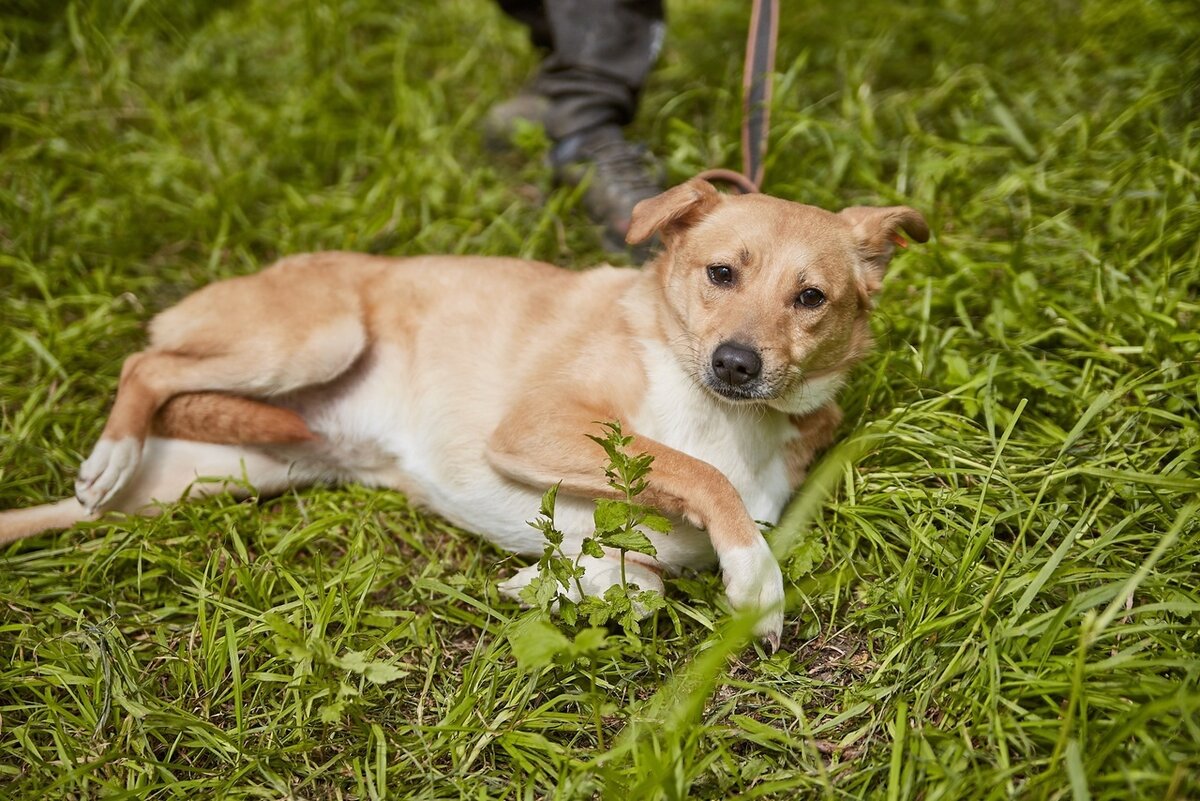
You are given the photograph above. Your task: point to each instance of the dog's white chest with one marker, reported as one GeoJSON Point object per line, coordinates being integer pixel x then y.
{"type": "Point", "coordinates": [745, 445]}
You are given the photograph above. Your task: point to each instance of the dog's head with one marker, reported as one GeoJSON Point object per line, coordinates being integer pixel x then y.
{"type": "Point", "coordinates": [769, 299]}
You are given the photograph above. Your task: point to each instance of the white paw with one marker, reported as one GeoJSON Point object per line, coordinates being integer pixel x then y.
{"type": "Point", "coordinates": [753, 581]}
{"type": "Point", "coordinates": [106, 472]}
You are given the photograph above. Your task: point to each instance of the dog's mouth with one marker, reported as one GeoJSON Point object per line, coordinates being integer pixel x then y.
{"type": "Point", "coordinates": [790, 390]}
{"type": "Point", "coordinates": [759, 391]}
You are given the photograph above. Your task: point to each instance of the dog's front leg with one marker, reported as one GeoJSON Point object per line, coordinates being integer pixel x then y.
{"type": "Point", "coordinates": [544, 445]}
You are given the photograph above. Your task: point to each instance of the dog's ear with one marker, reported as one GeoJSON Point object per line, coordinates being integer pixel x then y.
{"type": "Point", "coordinates": [878, 230]}
{"type": "Point", "coordinates": [676, 208]}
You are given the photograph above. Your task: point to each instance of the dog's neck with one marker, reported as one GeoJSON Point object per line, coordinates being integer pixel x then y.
{"type": "Point", "coordinates": [648, 311]}
{"type": "Point", "coordinates": [645, 306]}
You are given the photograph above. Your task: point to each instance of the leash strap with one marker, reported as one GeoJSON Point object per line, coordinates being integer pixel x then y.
{"type": "Point", "coordinates": [756, 98]}
{"type": "Point", "coordinates": [756, 86]}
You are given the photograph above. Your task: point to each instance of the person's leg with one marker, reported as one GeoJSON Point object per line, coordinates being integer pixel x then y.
{"type": "Point", "coordinates": [600, 54]}
{"type": "Point", "coordinates": [602, 51]}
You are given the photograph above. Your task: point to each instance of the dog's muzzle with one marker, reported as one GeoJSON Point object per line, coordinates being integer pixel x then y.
{"type": "Point", "coordinates": [735, 371]}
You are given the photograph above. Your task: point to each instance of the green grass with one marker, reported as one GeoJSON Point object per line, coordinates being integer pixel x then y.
{"type": "Point", "coordinates": [995, 577]}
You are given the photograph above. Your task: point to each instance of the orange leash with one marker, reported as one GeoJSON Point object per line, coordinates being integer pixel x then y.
{"type": "Point", "coordinates": [756, 99]}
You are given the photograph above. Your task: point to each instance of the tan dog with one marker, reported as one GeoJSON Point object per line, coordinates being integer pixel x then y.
{"type": "Point", "coordinates": [470, 383]}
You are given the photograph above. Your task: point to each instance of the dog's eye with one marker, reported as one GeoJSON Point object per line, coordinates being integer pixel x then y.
{"type": "Point", "coordinates": [720, 273]}
{"type": "Point", "coordinates": [810, 298]}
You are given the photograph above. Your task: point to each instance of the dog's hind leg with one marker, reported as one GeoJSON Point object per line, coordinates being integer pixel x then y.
{"type": "Point", "coordinates": [296, 324]}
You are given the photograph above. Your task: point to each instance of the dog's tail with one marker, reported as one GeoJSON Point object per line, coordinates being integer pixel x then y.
{"type": "Point", "coordinates": [17, 524]}
{"type": "Point", "coordinates": [229, 420]}
{"type": "Point", "coordinates": [196, 416]}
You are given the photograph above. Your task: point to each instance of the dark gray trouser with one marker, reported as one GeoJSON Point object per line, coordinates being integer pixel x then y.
{"type": "Point", "coordinates": [600, 52]}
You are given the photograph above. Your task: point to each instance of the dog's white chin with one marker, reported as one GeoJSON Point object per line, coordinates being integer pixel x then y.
{"type": "Point", "coordinates": [809, 395]}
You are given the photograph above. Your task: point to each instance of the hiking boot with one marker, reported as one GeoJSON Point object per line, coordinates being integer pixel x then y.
{"type": "Point", "coordinates": [504, 119]}
{"type": "Point", "coordinates": [619, 173]}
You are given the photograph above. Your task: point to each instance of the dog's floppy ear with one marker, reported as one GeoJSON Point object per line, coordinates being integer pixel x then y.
{"type": "Point", "coordinates": [678, 206]}
{"type": "Point", "coordinates": [878, 230]}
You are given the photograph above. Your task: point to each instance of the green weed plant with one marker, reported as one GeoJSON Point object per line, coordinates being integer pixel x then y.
{"type": "Point", "coordinates": [619, 524]}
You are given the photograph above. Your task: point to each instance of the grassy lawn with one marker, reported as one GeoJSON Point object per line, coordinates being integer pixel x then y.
{"type": "Point", "coordinates": [994, 577]}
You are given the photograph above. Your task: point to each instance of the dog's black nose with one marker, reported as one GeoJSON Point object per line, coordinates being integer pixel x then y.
{"type": "Point", "coordinates": [736, 364]}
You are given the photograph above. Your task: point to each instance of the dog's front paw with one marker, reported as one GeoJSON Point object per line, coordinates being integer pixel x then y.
{"type": "Point", "coordinates": [106, 472]}
{"type": "Point", "coordinates": [753, 581]}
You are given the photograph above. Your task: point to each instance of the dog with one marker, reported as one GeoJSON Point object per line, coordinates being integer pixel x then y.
{"type": "Point", "coordinates": [470, 384]}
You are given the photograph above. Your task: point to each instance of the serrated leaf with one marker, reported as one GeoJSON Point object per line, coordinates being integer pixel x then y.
{"type": "Point", "coordinates": [540, 592]}
{"type": "Point", "coordinates": [596, 610]}
{"type": "Point", "coordinates": [590, 547]}
{"type": "Point", "coordinates": [633, 540]}
{"type": "Point", "coordinates": [288, 639]}
{"type": "Point", "coordinates": [382, 672]}
{"type": "Point", "coordinates": [535, 642]}
{"type": "Point", "coordinates": [373, 670]}
{"type": "Point", "coordinates": [354, 661]}
{"type": "Point", "coordinates": [610, 515]}
{"type": "Point", "coordinates": [549, 532]}
{"type": "Point", "coordinates": [548, 500]}
{"type": "Point", "coordinates": [805, 557]}
{"type": "Point", "coordinates": [563, 570]}
{"type": "Point", "coordinates": [282, 628]}
{"type": "Point", "coordinates": [610, 448]}
{"type": "Point", "coordinates": [657, 522]}
{"type": "Point", "coordinates": [649, 601]}
{"type": "Point", "coordinates": [333, 711]}
{"type": "Point", "coordinates": [569, 611]}
{"type": "Point", "coordinates": [617, 598]}
{"type": "Point", "coordinates": [639, 465]}
{"type": "Point", "coordinates": [590, 641]}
